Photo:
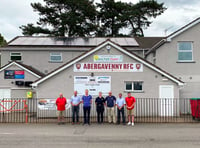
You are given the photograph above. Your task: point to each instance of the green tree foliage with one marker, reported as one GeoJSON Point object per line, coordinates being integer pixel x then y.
{"type": "Point", "coordinates": [63, 18]}
{"type": "Point", "coordinates": [110, 18]}
{"type": "Point", "coordinates": [2, 41]}
{"type": "Point", "coordinates": [82, 18]}
{"type": "Point", "coordinates": [115, 16]}
{"type": "Point", "coordinates": [138, 16]}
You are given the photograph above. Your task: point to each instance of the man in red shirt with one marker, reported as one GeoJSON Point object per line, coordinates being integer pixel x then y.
{"type": "Point", "coordinates": [60, 103]}
{"type": "Point", "coordinates": [130, 105]}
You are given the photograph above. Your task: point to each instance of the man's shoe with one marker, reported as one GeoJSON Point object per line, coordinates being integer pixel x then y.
{"type": "Point", "coordinates": [133, 124]}
{"type": "Point", "coordinates": [72, 123]}
{"type": "Point", "coordinates": [129, 123]}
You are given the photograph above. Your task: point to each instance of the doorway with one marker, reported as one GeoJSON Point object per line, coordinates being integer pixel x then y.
{"type": "Point", "coordinates": [166, 95]}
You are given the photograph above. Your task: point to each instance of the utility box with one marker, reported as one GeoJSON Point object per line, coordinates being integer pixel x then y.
{"type": "Point", "coordinates": [195, 107]}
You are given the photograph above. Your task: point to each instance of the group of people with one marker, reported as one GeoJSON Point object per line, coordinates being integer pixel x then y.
{"type": "Point", "coordinates": [109, 102]}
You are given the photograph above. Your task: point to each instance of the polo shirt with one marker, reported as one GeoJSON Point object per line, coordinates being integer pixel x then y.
{"type": "Point", "coordinates": [129, 102]}
{"type": "Point", "coordinates": [60, 102]}
{"type": "Point", "coordinates": [100, 101]}
{"type": "Point", "coordinates": [86, 100]}
{"type": "Point", "coordinates": [75, 99]}
{"type": "Point", "coordinates": [120, 102]}
{"type": "Point", "coordinates": [110, 100]}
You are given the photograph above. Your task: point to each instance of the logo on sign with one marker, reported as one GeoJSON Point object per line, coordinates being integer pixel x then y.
{"type": "Point", "coordinates": [78, 65]}
{"type": "Point", "coordinates": [138, 66]}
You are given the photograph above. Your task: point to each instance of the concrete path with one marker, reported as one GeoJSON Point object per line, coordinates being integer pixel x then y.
{"type": "Point", "coordinates": [99, 136]}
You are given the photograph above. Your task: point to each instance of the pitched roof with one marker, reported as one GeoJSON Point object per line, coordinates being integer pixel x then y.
{"type": "Point", "coordinates": [174, 34]}
{"type": "Point", "coordinates": [69, 41]}
{"type": "Point", "coordinates": [148, 42]}
{"type": "Point", "coordinates": [184, 28]}
{"type": "Point", "coordinates": [30, 69]}
{"type": "Point", "coordinates": [103, 44]}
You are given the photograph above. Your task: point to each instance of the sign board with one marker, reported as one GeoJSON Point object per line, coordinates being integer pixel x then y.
{"type": "Point", "coordinates": [50, 104]}
{"type": "Point", "coordinates": [9, 74]}
{"type": "Point", "coordinates": [93, 84]}
{"type": "Point", "coordinates": [19, 74]}
{"type": "Point", "coordinates": [108, 58]}
{"type": "Point", "coordinates": [29, 94]}
{"type": "Point", "coordinates": [14, 74]}
{"type": "Point", "coordinates": [108, 67]}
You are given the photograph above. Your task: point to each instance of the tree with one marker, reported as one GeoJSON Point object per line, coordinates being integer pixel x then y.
{"type": "Point", "coordinates": [138, 15]}
{"type": "Point", "coordinates": [63, 18]}
{"type": "Point", "coordinates": [110, 17]}
{"type": "Point", "coordinates": [74, 18]}
{"type": "Point", "coordinates": [2, 41]}
{"type": "Point", "coordinates": [115, 16]}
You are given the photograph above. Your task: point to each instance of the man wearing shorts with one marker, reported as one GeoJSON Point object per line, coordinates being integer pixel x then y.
{"type": "Point", "coordinates": [60, 103]}
{"type": "Point", "coordinates": [130, 105]}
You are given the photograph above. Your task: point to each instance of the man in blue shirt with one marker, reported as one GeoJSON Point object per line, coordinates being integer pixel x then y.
{"type": "Point", "coordinates": [87, 101]}
{"type": "Point", "coordinates": [110, 102]}
{"type": "Point", "coordinates": [75, 101]}
{"type": "Point", "coordinates": [120, 108]}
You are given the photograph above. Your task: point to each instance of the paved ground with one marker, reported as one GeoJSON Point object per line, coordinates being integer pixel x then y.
{"type": "Point", "coordinates": [99, 136]}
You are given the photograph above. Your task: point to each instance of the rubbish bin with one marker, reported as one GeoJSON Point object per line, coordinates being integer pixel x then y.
{"type": "Point", "coordinates": [195, 107]}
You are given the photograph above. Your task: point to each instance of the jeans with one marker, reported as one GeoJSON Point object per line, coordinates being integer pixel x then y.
{"type": "Point", "coordinates": [118, 115]}
{"type": "Point", "coordinates": [75, 112]}
{"type": "Point", "coordinates": [86, 110]}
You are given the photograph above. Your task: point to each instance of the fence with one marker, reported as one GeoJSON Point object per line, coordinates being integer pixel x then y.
{"type": "Point", "coordinates": [147, 110]}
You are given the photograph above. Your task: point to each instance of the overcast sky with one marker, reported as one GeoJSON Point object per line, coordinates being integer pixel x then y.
{"type": "Point", "coordinates": [14, 13]}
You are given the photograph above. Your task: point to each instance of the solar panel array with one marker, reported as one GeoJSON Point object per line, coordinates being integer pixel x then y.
{"type": "Point", "coordinates": [68, 41]}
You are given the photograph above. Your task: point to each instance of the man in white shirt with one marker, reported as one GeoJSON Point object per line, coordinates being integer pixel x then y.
{"type": "Point", "coordinates": [75, 101]}
{"type": "Point", "coordinates": [120, 103]}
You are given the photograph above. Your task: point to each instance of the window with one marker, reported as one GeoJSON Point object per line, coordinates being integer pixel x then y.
{"type": "Point", "coordinates": [56, 57]}
{"type": "Point", "coordinates": [15, 56]}
{"type": "Point", "coordinates": [185, 51]}
{"type": "Point", "coordinates": [136, 86]}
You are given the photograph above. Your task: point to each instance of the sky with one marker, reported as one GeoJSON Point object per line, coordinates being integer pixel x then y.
{"type": "Point", "coordinates": [14, 13]}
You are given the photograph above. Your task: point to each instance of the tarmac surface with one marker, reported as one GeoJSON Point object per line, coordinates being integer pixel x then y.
{"type": "Point", "coordinates": [99, 136]}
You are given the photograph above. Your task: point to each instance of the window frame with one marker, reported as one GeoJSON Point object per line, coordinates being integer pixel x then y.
{"type": "Point", "coordinates": [133, 89]}
{"type": "Point", "coordinates": [15, 53]}
{"type": "Point", "coordinates": [178, 50]}
{"type": "Point", "coordinates": [55, 61]}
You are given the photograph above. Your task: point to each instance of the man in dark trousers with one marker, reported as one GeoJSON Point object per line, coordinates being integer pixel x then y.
{"type": "Point", "coordinates": [100, 101]}
{"type": "Point", "coordinates": [75, 101]}
{"type": "Point", "coordinates": [87, 101]}
{"type": "Point", "coordinates": [60, 103]}
{"type": "Point", "coordinates": [110, 102]}
{"type": "Point", "coordinates": [120, 108]}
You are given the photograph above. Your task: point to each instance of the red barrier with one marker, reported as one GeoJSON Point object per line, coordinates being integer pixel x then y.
{"type": "Point", "coordinates": [15, 103]}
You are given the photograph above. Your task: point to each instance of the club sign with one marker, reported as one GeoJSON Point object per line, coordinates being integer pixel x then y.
{"type": "Point", "coordinates": [108, 67]}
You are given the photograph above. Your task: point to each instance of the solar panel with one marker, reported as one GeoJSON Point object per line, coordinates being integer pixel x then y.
{"type": "Point", "coordinates": [69, 41]}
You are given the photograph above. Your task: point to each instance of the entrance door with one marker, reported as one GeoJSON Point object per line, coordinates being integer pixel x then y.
{"type": "Point", "coordinates": [5, 94]}
{"type": "Point", "coordinates": [166, 93]}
